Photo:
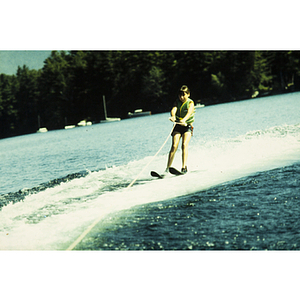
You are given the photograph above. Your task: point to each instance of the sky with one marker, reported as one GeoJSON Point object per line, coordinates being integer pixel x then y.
{"type": "Point", "coordinates": [10, 60]}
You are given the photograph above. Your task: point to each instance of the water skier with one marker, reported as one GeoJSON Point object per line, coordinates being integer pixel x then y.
{"type": "Point", "coordinates": [182, 113]}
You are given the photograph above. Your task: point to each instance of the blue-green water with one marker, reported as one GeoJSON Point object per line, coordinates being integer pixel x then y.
{"type": "Point", "coordinates": [241, 192]}
{"type": "Point", "coordinates": [260, 212]}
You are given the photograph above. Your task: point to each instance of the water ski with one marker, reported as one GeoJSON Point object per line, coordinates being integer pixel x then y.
{"type": "Point", "coordinates": [175, 171]}
{"type": "Point", "coordinates": [171, 170]}
{"type": "Point", "coordinates": [155, 174]}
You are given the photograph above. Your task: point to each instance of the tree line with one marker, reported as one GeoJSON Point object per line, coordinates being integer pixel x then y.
{"type": "Point", "coordinates": [70, 86]}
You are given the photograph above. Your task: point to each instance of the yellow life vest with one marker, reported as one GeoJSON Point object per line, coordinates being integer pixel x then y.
{"type": "Point", "coordinates": [182, 109]}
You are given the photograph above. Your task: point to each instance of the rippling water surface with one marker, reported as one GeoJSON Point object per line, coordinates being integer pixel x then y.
{"type": "Point", "coordinates": [241, 192]}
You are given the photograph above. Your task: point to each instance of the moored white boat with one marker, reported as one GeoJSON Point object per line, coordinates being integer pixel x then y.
{"type": "Point", "coordinates": [106, 120]}
{"type": "Point", "coordinates": [110, 120]}
{"type": "Point", "coordinates": [199, 105]}
{"type": "Point", "coordinates": [139, 113]}
{"type": "Point", "coordinates": [84, 123]}
{"type": "Point", "coordinates": [43, 129]}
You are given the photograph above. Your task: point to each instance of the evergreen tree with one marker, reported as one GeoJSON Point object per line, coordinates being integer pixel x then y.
{"type": "Point", "coordinates": [26, 97]}
{"type": "Point", "coordinates": [8, 112]}
{"type": "Point", "coordinates": [53, 85]}
{"type": "Point", "coordinates": [152, 90]}
{"type": "Point", "coordinates": [70, 86]}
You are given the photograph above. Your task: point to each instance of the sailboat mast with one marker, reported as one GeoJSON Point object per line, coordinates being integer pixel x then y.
{"type": "Point", "coordinates": [104, 105]}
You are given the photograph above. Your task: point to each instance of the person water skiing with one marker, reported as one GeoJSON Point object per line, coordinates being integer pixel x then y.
{"type": "Point", "coordinates": [182, 114]}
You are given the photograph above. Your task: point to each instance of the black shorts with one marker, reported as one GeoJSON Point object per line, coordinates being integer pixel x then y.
{"type": "Point", "coordinates": [182, 129]}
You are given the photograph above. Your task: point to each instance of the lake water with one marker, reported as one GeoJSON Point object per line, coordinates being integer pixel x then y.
{"type": "Point", "coordinates": [241, 192]}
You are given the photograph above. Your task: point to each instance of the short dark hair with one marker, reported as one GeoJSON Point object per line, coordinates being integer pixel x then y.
{"type": "Point", "coordinates": [184, 89]}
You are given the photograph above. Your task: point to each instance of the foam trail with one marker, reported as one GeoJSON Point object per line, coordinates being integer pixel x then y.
{"type": "Point", "coordinates": [55, 217]}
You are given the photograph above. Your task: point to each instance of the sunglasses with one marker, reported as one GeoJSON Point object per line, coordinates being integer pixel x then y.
{"type": "Point", "coordinates": [181, 93]}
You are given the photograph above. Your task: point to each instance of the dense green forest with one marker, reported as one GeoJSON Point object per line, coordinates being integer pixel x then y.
{"type": "Point", "coordinates": [70, 86]}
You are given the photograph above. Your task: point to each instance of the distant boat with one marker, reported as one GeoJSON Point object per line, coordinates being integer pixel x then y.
{"type": "Point", "coordinates": [110, 120]}
{"type": "Point", "coordinates": [43, 129]}
{"type": "Point", "coordinates": [198, 105]}
{"type": "Point", "coordinates": [139, 113]}
{"type": "Point", "coordinates": [84, 123]}
{"type": "Point", "coordinates": [105, 114]}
